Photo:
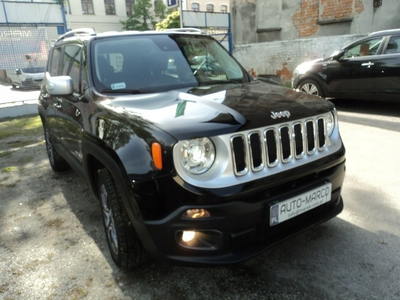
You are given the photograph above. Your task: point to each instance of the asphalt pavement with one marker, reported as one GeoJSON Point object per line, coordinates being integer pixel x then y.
{"type": "Point", "coordinates": [354, 256]}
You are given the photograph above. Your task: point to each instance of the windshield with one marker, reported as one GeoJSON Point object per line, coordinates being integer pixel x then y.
{"type": "Point", "coordinates": [153, 63]}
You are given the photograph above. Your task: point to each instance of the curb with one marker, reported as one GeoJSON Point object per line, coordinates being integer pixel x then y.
{"type": "Point", "coordinates": [18, 109]}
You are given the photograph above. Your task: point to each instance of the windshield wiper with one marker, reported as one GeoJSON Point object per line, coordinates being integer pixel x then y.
{"type": "Point", "coordinates": [124, 91]}
{"type": "Point", "coordinates": [211, 82]}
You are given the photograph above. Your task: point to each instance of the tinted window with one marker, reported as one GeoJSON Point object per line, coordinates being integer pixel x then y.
{"type": "Point", "coordinates": [393, 45]}
{"type": "Point", "coordinates": [363, 48]}
{"type": "Point", "coordinates": [161, 62]}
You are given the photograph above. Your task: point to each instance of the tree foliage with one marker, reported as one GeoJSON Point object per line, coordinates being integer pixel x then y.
{"type": "Point", "coordinates": [141, 18]}
{"type": "Point", "coordinates": [144, 17]}
{"type": "Point", "coordinates": [172, 21]}
{"type": "Point", "coordinates": [160, 10]}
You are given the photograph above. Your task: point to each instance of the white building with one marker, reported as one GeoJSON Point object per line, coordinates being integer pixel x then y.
{"type": "Point", "coordinates": [105, 15]}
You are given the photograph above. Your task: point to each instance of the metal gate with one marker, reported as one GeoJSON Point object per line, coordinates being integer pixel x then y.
{"type": "Point", "coordinates": [22, 47]}
{"type": "Point", "coordinates": [27, 30]}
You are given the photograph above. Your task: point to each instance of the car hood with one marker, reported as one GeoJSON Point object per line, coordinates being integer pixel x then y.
{"type": "Point", "coordinates": [215, 110]}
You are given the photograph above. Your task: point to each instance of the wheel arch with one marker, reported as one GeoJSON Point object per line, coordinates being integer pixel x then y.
{"type": "Point", "coordinates": [97, 155]}
{"type": "Point", "coordinates": [315, 77]}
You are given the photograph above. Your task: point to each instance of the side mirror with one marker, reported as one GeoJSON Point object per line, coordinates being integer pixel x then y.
{"type": "Point", "coordinates": [338, 54]}
{"type": "Point", "coordinates": [59, 85]}
{"type": "Point", "coordinates": [18, 71]}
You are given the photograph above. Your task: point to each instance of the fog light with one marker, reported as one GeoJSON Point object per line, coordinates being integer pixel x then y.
{"type": "Point", "coordinates": [187, 236]}
{"type": "Point", "coordinates": [200, 240]}
{"type": "Point", "coordinates": [196, 213]}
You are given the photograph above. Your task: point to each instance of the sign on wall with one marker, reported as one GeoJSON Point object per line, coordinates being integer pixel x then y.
{"type": "Point", "coordinates": [172, 3]}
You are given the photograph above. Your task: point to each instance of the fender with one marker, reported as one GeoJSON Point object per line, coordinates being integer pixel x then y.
{"type": "Point", "coordinates": [96, 152]}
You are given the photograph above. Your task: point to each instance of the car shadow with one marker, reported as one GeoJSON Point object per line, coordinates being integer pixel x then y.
{"type": "Point", "coordinates": [384, 108]}
{"type": "Point", "coordinates": [334, 258]}
{"type": "Point", "coordinates": [383, 115]}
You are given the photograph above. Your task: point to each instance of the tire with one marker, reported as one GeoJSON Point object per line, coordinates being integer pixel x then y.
{"type": "Point", "coordinates": [310, 86]}
{"type": "Point", "coordinates": [57, 163]}
{"type": "Point", "coordinates": [125, 247]}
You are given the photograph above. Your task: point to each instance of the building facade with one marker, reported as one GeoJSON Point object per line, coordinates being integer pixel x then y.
{"type": "Point", "coordinates": [271, 37]}
{"type": "Point", "coordinates": [105, 15]}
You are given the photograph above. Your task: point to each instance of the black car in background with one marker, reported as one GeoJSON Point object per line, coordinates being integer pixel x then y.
{"type": "Point", "coordinates": [366, 69]}
{"type": "Point", "coordinates": [193, 161]}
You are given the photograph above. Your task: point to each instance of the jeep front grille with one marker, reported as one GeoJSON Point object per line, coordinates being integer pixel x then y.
{"type": "Point", "coordinates": [269, 147]}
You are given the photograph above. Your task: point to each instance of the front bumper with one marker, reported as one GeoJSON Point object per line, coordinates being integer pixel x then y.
{"type": "Point", "coordinates": [239, 225]}
{"type": "Point", "coordinates": [31, 83]}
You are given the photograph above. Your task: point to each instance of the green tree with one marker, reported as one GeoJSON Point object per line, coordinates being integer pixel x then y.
{"type": "Point", "coordinates": [141, 18]}
{"type": "Point", "coordinates": [160, 10]}
{"type": "Point", "coordinates": [172, 21]}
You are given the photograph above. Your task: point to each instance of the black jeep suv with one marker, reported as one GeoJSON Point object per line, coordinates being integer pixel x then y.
{"type": "Point", "coordinates": [192, 160]}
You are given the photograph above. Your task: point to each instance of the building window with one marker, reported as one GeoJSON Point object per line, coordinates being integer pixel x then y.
{"type": "Point", "coordinates": [210, 7]}
{"type": "Point", "coordinates": [87, 7]}
{"type": "Point", "coordinates": [110, 7]}
{"type": "Point", "coordinates": [129, 7]}
{"type": "Point", "coordinates": [223, 9]}
{"type": "Point", "coordinates": [195, 7]}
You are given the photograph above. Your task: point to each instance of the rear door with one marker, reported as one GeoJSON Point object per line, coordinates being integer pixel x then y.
{"type": "Point", "coordinates": [353, 74]}
{"type": "Point", "coordinates": [387, 83]}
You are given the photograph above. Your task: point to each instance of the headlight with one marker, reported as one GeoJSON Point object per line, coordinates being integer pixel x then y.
{"type": "Point", "coordinates": [330, 123]}
{"type": "Point", "coordinates": [197, 155]}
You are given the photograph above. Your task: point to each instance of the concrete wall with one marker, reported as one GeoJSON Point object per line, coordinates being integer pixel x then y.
{"type": "Point", "coordinates": [272, 37]}
{"type": "Point", "coordinates": [255, 21]}
{"type": "Point", "coordinates": [278, 59]}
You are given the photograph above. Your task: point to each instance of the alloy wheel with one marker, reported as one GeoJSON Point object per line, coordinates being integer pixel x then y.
{"type": "Point", "coordinates": [108, 219]}
{"type": "Point", "coordinates": [310, 88]}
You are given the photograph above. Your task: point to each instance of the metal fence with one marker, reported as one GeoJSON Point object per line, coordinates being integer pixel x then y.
{"type": "Point", "coordinates": [23, 47]}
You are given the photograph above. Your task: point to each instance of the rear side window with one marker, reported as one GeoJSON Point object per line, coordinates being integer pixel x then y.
{"type": "Point", "coordinates": [393, 46]}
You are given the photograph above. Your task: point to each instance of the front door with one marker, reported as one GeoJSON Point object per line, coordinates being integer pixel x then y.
{"type": "Point", "coordinates": [69, 118]}
{"type": "Point", "coordinates": [353, 74]}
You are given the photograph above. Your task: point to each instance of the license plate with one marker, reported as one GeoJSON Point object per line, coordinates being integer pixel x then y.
{"type": "Point", "coordinates": [288, 209]}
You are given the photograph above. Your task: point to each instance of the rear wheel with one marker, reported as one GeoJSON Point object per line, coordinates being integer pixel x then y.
{"type": "Point", "coordinates": [57, 162]}
{"type": "Point", "coordinates": [125, 247]}
{"type": "Point", "coordinates": [310, 86]}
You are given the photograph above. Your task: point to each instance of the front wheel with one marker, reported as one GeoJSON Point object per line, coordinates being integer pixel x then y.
{"type": "Point", "coordinates": [125, 247]}
{"type": "Point", "coordinates": [310, 86]}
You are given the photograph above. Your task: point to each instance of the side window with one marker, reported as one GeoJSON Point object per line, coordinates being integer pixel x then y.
{"type": "Point", "coordinates": [72, 65]}
{"type": "Point", "coordinates": [364, 48]}
{"type": "Point", "coordinates": [393, 45]}
{"type": "Point", "coordinates": [55, 63]}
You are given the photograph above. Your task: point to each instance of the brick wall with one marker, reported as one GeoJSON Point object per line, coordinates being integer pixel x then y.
{"type": "Point", "coordinates": [313, 13]}
{"type": "Point", "coordinates": [335, 10]}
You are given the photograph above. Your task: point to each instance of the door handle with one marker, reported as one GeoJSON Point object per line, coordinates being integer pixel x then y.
{"type": "Point", "coordinates": [368, 64]}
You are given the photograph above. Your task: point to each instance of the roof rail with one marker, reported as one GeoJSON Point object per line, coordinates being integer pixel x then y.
{"type": "Point", "coordinates": [80, 31]}
{"type": "Point", "coordinates": [195, 30]}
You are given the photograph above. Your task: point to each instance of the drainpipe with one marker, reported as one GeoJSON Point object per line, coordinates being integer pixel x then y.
{"type": "Point", "coordinates": [180, 12]}
{"type": "Point", "coordinates": [230, 35]}
{"type": "Point", "coordinates": [5, 12]}
{"type": "Point", "coordinates": [63, 16]}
